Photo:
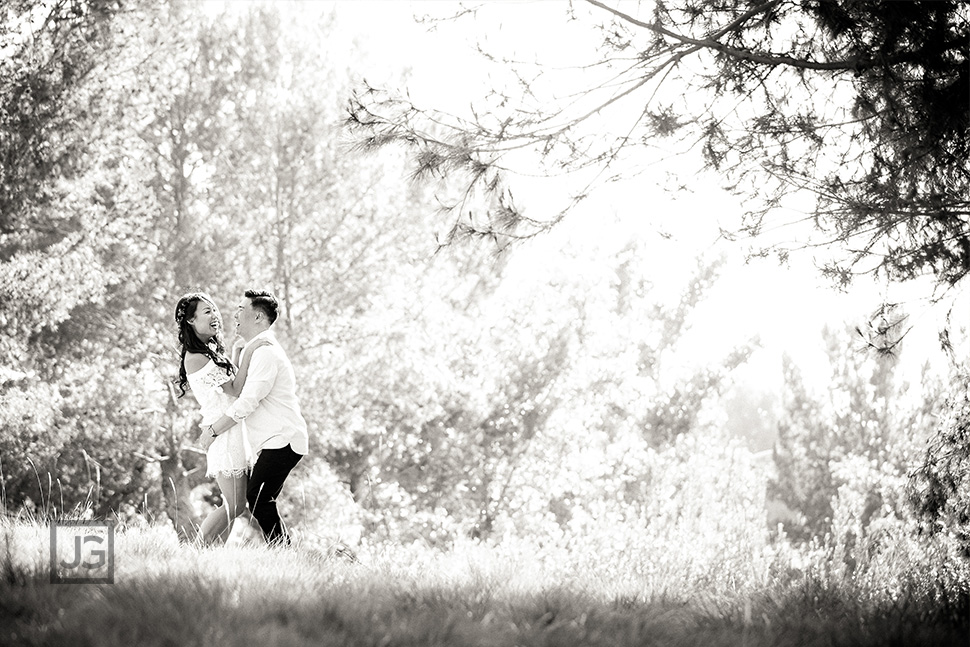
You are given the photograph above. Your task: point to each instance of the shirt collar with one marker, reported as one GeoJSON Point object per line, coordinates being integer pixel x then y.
{"type": "Point", "coordinates": [266, 334]}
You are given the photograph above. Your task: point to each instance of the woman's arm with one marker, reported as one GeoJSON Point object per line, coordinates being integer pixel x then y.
{"type": "Point", "coordinates": [234, 386]}
{"type": "Point", "coordinates": [238, 343]}
{"type": "Point", "coordinates": [235, 349]}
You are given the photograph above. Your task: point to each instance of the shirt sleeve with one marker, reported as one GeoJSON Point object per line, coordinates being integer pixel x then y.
{"type": "Point", "coordinates": [263, 368]}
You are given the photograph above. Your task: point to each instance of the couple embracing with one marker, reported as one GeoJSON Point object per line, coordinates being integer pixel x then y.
{"type": "Point", "coordinates": [252, 428]}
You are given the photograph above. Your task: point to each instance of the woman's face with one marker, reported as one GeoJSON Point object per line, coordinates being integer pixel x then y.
{"type": "Point", "coordinates": [207, 321]}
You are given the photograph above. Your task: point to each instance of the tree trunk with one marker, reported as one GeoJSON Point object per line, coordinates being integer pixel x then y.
{"type": "Point", "coordinates": [176, 489]}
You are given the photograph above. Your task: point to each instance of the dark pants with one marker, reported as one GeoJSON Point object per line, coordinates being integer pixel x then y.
{"type": "Point", "coordinates": [271, 469]}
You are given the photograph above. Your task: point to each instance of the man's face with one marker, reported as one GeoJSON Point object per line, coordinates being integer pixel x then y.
{"type": "Point", "coordinates": [246, 319]}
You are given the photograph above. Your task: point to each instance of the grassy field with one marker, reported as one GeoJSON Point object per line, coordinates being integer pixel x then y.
{"type": "Point", "coordinates": [165, 593]}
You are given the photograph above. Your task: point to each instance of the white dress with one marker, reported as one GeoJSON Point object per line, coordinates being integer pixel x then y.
{"type": "Point", "coordinates": [230, 453]}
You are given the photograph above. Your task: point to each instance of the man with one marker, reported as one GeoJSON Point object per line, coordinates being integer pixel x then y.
{"type": "Point", "coordinates": [275, 427]}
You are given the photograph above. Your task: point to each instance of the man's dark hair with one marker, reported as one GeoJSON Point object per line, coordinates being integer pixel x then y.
{"type": "Point", "coordinates": [265, 302]}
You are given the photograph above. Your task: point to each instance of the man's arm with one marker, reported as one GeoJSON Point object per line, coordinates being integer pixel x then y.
{"type": "Point", "coordinates": [235, 385]}
{"type": "Point", "coordinates": [263, 368]}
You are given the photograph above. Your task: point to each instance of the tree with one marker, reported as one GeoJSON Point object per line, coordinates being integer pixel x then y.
{"type": "Point", "coordinates": [74, 262]}
{"type": "Point", "coordinates": [488, 406]}
{"type": "Point", "coordinates": [861, 106]}
{"type": "Point", "coordinates": [50, 49]}
{"type": "Point", "coordinates": [317, 220]}
{"type": "Point", "coordinates": [939, 487]}
{"type": "Point", "coordinates": [864, 422]}
{"type": "Point", "coordinates": [46, 109]}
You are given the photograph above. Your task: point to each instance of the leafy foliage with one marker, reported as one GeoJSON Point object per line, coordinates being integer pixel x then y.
{"type": "Point", "coordinates": [74, 247]}
{"type": "Point", "coordinates": [444, 437]}
{"type": "Point", "coordinates": [862, 434]}
{"type": "Point", "coordinates": [939, 487]}
{"type": "Point", "coordinates": [50, 51]}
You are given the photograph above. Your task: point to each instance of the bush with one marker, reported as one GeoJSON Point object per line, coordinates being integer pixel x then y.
{"type": "Point", "coordinates": [940, 488]}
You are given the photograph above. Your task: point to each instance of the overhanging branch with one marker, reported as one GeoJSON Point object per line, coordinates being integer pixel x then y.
{"type": "Point", "coordinates": [764, 58]}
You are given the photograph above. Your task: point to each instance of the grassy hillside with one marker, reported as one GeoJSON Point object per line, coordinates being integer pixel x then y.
{"type": "Point", "coordinates": [170, 594]}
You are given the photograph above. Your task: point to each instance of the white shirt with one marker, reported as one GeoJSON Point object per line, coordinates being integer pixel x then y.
{"type": "Point", "coordinates": [268, 401]}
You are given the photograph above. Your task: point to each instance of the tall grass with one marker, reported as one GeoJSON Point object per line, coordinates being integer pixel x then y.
{"type": "Point", "coordinates": [166, 593]}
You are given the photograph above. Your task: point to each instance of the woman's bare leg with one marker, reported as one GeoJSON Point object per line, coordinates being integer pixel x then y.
{"type": "Point", "coordinates": [218, 524]}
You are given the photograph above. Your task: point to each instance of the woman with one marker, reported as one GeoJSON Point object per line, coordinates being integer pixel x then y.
{"type": "Point", "coordinates": [208, 371]}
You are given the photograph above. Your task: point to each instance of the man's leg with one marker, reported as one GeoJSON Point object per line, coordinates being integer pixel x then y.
{"type": "Point", "coordinates": [271, 469]}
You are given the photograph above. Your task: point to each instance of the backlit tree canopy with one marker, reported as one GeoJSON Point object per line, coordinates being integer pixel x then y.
{"type": "Point", "coordinates": [857, 110]}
